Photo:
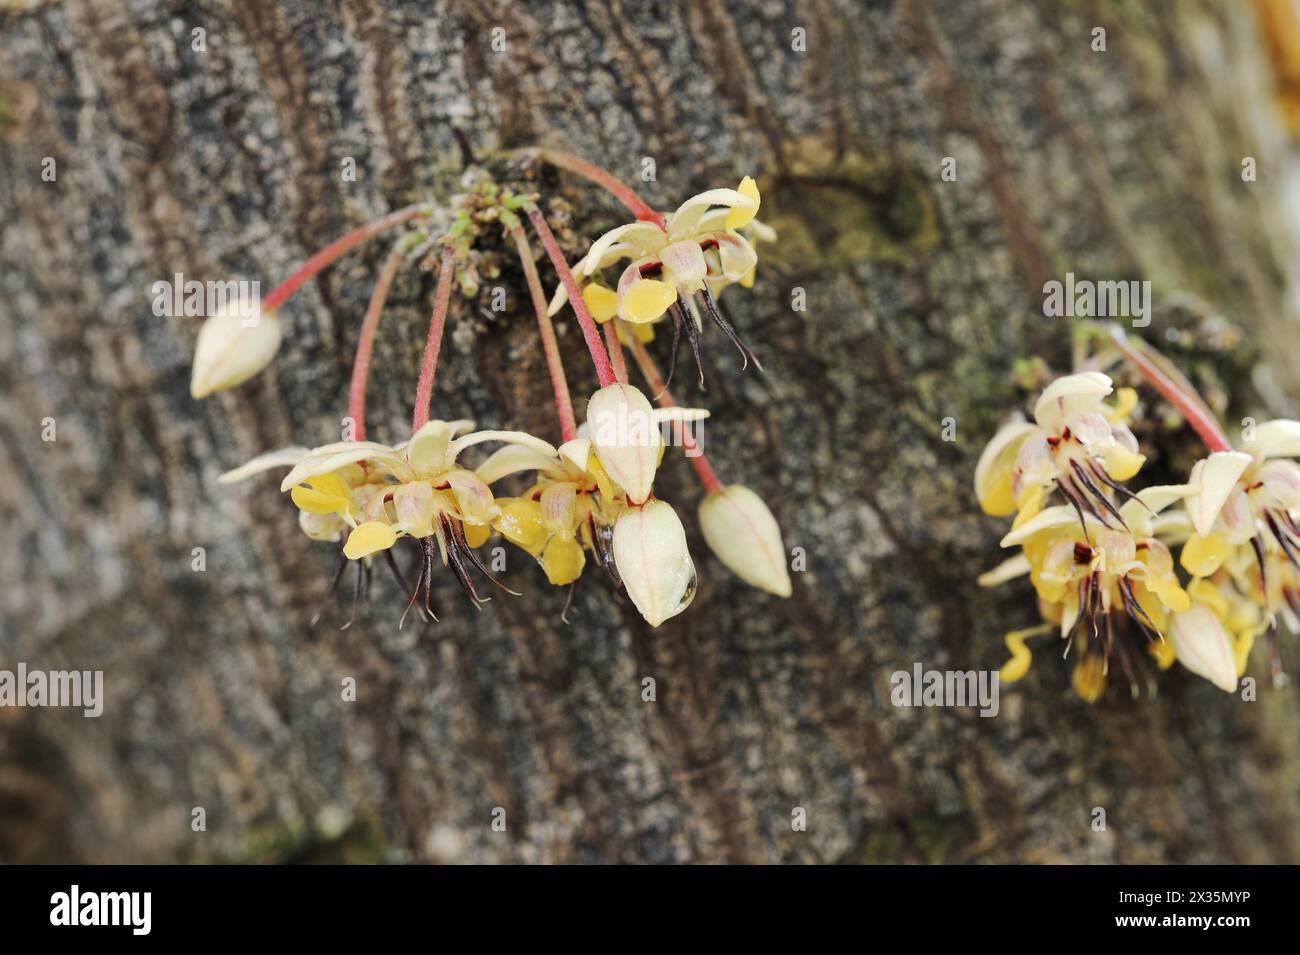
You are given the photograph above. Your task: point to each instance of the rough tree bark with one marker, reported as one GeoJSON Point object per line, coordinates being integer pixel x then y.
{"type": "Point", "coordinates": [921, 297]}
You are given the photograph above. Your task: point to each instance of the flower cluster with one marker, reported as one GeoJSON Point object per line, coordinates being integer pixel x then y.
{"type": "Point", "coordinates": [1101, 556]}
{"type": "Point", "coordinates": [677, 268]}
{"type": "Point", "coordinates": [590, 497]}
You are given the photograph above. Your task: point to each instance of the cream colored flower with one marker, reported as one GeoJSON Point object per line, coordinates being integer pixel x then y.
{"type": "Point", "coordinates": [742, 532]}
{"type": "Point", "coordinates": [1077, 445]}
{"type": "Point", "coordinates": [1097, 584]}
{"type": "Point", "coordinates": [233, 346]}
{"type": "Point", "coordinates": [1244, 499]}
{"type": "Point", "coordinates": [570, 509]}
{"type": "Point", "coordinates": [674, 269]}
{"type": "Point", "coordinates": [330, 504]}
{"type": "Point", "coordinates": [653, 561]}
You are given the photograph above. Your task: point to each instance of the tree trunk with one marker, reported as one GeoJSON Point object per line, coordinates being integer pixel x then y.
{"type": "Point", "coordinates": [923, 297]}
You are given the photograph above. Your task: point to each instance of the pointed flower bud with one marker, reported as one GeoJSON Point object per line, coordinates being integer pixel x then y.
{"type": "Point", "coordinates": [1203, 646]}
{"type": "Point", "coordinates": [233, 346]}
{"type": "Point", "coordinates": [653, 561]}
{"type": "Point", "coordinates": [741, 530]}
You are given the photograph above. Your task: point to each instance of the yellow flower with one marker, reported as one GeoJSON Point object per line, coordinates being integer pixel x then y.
{"type": "Point", "coordinates": [1077, 445]}
{"type": "Point", "coordinates": [677, 269]}
{"type": "Point", "coordinates": [576, 507]}
{"type": "Point", "coordinates": [1242, 499]}
{"type": "Point", "coordinates": [328, 503]}
{"type": "Point", "coordinates": [376, 495]}
{"type": "Point", "coordinates": [1098, 584]}
{"type": "Point", "coordinates": [570, 509]}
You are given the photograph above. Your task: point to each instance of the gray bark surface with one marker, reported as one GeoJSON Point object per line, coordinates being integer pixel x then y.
{"type": "Point", "coordinates": [922, 296]}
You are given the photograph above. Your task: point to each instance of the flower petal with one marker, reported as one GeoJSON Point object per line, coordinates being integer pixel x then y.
{"type": "Point", "coordinates": [285, 457]}
{"type": "Point", "coordinates": [1049, 519]}
{"type": "Point", "coordinates": [684, 223]}
{"type": "Point", "coordinates": [1277, 439]}
{"type": "Point", "coordinates": [1214, 477]}
{"type": "Point", "coordinates": [473, 497]}
{"type": "Point", "coordinates": [1150, 501]}
{"type": "Point", "coordinates": [993, 472]}
{"type": "Point", "coordinates": [369, 538]}
{"type": "Point", "coordinates": [317, 463]}
{"type": "Point", "coordinates": [1068, 396]}
{"type": "Point", "coordinates": [321, 527]}
{"type": "Point", "coordinates": [736, 255]}
{"type": "Point", "coordinates": [601, 302]}
{"type": "Point", "coordinates": [413, 503]}
{"type": "Point", "coordinates": [684, 266]}
{"type": "Point", "coordinates": [563, 560]}
{"type": "Point", "coordinates": [626, 438]}
{"type": "Point", "coordinates": [1009, 569]}
{"type": "Point", "coordinates": [560, 508]}
{"type": "Point", "coordinates": [428, 449]}
{"type": "Point", "coordinates": [577, 452]}
{"type": "Point", "coordinates": [512, 459]}
{"type": "Point", "coordinates": [740, 216]}
{"type": "Point", "coordinates": [520, 522]}
{"type": "Point", "coordinates": [521, 438]}
{"type": "Point", "coordinates": [645, 300]}
{"type": "Point", "coordinates": [644, 235]}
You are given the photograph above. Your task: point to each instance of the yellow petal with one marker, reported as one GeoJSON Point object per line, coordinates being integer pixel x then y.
{"type": "Point", "coordinates": [998, 499]}
{"type": "Point", "coordinates": [646, 300]}
{"type": "Point", "coordinates": [993, 473]}
{"type": "Point", "coordinates": [1126, 400]}
{"type": "Point", "coordinates": [1121, 463]}
{"type": "Point", "coordinates": [563, 561]}
{"type": "Point", "coordinates": [368, 538]}
{"type": "Point", "coordinates": [601, 301]}
{"type": "Point", "coordinates": [521, 524]}
{"type": "Point", "coordinates": [1089, 678]}
{"type": "Point", "coordinates": [603, 481]}
{"type": "Point", "coordinates": [315, 501]}
{"type": "Point", "coordinates": [1163, 652]}
{"type": "Point", "coordinates": [1170, 593]}
{"type": "Point", "coordinates": [1015, 668]}
{"type": "Point", "coordinates": [739, 216]}
{"type": "Point", "coordinates": [1202, 556]}
{"type": "Point", "coordinates": [477, 534]}
{"type": "Point", "coordinates": [1031, 504]}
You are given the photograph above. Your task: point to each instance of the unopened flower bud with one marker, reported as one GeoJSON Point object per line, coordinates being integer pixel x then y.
{"type": "Point", "coordinates": [741, 530]}
{"type": "Point", "coordinates": [233, 346]}
{"type": "Point", "coordinates": [653, 561]}
{"type": "Point", "coordinates": [1203, 646]}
